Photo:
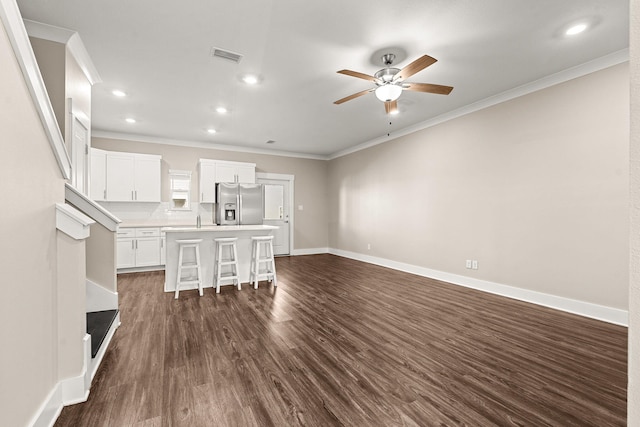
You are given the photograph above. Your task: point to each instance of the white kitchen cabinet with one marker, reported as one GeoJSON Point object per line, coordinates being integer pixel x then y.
{"type": "Point", "coordinates": [214, 171]}
{"type": "Point", "coordinates": [138, 247]}
{"type": "Point", "coordinates": [132, 177]}
{"type": "Point", "coordinates": [207, 181]}
{"type": "Point", "coordinates": [98, 175]}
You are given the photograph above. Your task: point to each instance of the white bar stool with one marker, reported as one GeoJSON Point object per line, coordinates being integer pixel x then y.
{"type": "Point", "coordinates": [221, 261]}
{"type": "Point", "coordinates": [189, 266]}
{"type": "Point", "coordinates": [262, 253]}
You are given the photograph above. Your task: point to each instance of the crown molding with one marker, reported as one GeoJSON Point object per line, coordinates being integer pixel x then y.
{"type": "Point", "coordinates": [543, 83]}
{"type": "Point", "coordinates": [73, 42]}
{"type": "Point", "coordinates": [198, 144]}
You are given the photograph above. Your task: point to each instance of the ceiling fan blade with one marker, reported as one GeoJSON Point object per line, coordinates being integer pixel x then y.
{"type": "Point", "coordinates": [359, 75]}
{"type": "Point", "coordinates": [390, 106]}
{"type": "Point", "coordinates": [427, 87]}
{"type": "Point", "coordinates": [355, 95]}
{"type": "Point", "coordinates": [418, 65]}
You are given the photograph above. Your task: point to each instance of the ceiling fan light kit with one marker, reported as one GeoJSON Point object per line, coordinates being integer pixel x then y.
{"type": "Point", "coordinates": [390, 82]}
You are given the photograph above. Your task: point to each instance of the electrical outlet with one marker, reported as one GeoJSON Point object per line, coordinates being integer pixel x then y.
{"type": "Point", "coordinates": [468, 264]}
{"type": "Point", "coordinates": [474, 264]}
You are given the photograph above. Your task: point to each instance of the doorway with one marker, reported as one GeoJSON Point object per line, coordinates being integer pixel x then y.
{"type": "Point", "coordinates": [277, 201]}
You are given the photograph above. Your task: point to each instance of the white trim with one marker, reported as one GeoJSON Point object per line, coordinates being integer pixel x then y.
{"type": "Point", "coordinates": [197, 144]}
{"type": "Point", "coordinates": [310, 251]}
{"type": "Point", "coordinates": [49, 410]}
{"type": "Point", "coordinates": [14, 26]}
{"type": "Point", "coordinates": [582, 308]}
{"type": "Point", "coordinates": [71, 40]}
{"type": "Point", "coordinates": [91, 208]}
{"type": "Point", "coordinates": [291, 179]}
{"type": "Point", "coordinates": [100, 298]}
{"type": "Point", "coordinates": [95, 362]}
{"type": "Point", "coordinates": [72, 222]}
{"type": "Point", "coordinates": [543, 83]}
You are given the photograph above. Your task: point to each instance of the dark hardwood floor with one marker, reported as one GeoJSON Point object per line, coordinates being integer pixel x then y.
{"type": "Point", "coordinates": [341, 342]}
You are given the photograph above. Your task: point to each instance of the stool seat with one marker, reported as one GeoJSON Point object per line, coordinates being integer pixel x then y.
{"type": "Point", "coordinates": [230, 262]}
{"type": "Point", "coordinates": [189, 265]}
{"type": "Point", "coordinates": [263, 265]}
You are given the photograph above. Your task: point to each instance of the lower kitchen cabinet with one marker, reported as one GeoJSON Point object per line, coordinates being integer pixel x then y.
{"type": "Point", "coordinates": [139, 247]}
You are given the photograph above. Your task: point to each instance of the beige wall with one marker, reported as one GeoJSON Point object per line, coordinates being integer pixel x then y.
{"type": "Point", "coordinates": [535, 189]}
{"type": "Point", "coordinates": [633, 399]}
{"type": "Point", "coordinates": [310, 180]}
{"type": "Point", "coordinates": [32, 184]}
{"type": "Point", "coordinates": [101, 257]}
{"type": "Point", "coordinates": [51, 61]}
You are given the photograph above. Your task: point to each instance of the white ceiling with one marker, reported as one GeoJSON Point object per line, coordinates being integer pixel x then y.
{"type": "Point", "coordinates": [158, 52]}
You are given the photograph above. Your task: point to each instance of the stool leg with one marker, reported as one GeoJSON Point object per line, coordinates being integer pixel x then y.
{"type": "Point", "coordinates": [199, 269]}
{"type": "Point", "coordinates": [235, 264]}
{"type": "Point", "coordinates": [257, 266]}
{"type": "Point", "coordinates": [179, 272]}
{"type": "Point", "coordinates": [218, 267]}
{"type": "Point", "coordinates": [273, 265]}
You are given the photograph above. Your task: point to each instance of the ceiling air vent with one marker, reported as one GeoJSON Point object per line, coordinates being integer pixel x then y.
{"type": "Point", "coordinates": [225, 54]}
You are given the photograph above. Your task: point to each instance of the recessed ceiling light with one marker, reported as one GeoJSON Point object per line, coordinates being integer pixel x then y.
{"type": "Point", "coordinates": [250, 79]}
{"type": "Point", "coordinates": [130, 120]}
{"type": "Point", "coordinates": [575, 29]}
{"type": "Point", "coordinates": [118, 93]}
{"type": "Point", "coordinates": [221, 110]}
{"type": "Point", "coordinates": [211, 131]}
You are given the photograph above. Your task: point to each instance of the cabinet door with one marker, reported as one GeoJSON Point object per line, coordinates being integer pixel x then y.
{"type": "Point", "coordinates": [126, 253]}
{"type": "Point", "coordinates": [207, 183]}
{"type": "Point", "coordinates": [246, 174]}
{"type": "Point", "coordinates": [147, 179]}
{"type": "Point", "coordinates": [98, 175]}
{"type": "Point", "coordinates": [225, 173]}
{"type": "Point", "coordinates": [120, 177]}
{"type": "Point", "coordinates": [147, 251]}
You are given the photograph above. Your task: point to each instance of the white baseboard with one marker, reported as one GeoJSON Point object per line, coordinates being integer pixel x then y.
{"type": "Point", "coordinates": [76, 389]}
{"type": "Point", "coordinates": [95, 362]}
{"type": "Point", "coordinates": [99, 298]}
{"type": "Point", "coordinates": [49, 410]}
{"type": "Point", "coordinates": [310, 251]}
{"type": "Point", "coordinates": [582, 308]}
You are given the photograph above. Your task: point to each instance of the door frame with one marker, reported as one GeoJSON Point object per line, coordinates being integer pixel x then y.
{"type": "Point", "coordinates": [291, 179]}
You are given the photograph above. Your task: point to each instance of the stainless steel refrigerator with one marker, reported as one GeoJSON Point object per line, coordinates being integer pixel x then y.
{"type": "Point", "coordinates": [238, 204]}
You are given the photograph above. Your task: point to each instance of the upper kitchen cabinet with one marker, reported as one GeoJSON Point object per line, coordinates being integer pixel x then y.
{"type": "Point", "coordinates": [125, 177]}
{"type": "Point", "coordinates": [214, 171]}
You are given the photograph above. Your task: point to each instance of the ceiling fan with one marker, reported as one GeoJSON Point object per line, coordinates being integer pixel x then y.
{"type": "Point", "coordinates": [390, 82]}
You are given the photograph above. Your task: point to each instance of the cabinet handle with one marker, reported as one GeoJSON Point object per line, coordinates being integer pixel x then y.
{"type": "Point", "coordinates": [132, 198]}
{"type": "Point", "coordinates": [136, 194]}
{"type": "Point", "coordinates": [136, 244]}
{"type": "Point", "coordinates": [132, 244]}
{"type": "Point", "coordinates": [105, 194]}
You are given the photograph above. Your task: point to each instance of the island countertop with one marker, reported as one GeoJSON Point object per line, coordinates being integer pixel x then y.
{"type": "Point", "coordinates": [219, 228]}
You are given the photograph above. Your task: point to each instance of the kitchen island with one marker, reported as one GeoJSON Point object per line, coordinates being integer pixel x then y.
{"type": "Point", "coordinates": [207, 250]}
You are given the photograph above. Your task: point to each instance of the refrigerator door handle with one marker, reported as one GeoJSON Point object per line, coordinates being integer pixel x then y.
{"type": "Point", "coordinates": [239, 199]}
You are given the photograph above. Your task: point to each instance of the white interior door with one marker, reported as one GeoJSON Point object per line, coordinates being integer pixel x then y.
{"type": "Point", "coordinates": [80, 151]}
{"type": "Point", "coordinates": [276, 211]}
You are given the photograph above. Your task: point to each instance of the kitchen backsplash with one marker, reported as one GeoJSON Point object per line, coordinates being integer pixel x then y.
{"type": "Point", "coordinates": [128, 211]}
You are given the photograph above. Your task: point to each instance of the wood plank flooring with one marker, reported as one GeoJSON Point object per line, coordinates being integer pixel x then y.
{"type": "Point", "coordinates": [344, 343]}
